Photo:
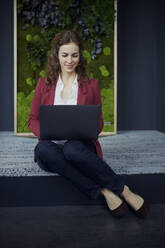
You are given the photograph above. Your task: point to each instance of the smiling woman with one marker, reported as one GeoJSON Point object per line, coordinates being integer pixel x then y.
{"type": "Point", "coordinates": [66, 56]}
{"type": "Point", "coordinates": [69, 57]}
{"type": "Point", "coordinates": [77, 159]}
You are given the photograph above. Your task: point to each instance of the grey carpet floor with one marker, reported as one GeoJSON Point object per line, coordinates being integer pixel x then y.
{"type": "Point", "coordinates": [128, 152]}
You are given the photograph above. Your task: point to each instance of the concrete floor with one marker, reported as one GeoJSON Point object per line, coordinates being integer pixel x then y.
{"type": "Point", "coordinates": [80, 227]}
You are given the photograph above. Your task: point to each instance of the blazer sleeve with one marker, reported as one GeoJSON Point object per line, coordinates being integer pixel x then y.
{"type": "Point", "coordinates": [97, 99]}
{"type": "Point", "coordinates": [33, 120]}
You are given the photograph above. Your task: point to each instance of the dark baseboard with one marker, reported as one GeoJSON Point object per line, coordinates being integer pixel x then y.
{"type": "Point", "coordinates": [56, 190]}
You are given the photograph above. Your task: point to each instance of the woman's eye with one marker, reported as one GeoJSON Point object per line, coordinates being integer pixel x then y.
{"type": "Point", "coordinates": [74, 55]}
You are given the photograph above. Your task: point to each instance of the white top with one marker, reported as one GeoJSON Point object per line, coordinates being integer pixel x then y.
{"type": "Point", "coordinates": [72, 100]}
{"type": "Point", "coordinates": [58, 100]}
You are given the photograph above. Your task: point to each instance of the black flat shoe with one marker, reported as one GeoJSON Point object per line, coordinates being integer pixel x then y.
{"type": "Point", "coordinates": [120, 211]}
{"type": "Point", "coordinates": [143, 210]}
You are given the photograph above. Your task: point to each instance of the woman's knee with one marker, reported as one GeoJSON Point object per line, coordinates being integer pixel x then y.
{"type": "Point", "coordinates": [43, 154]}
{"type": "Point", "coordinates": [72, 149]}
{"type": "Point", "coordinates": [41, 147]}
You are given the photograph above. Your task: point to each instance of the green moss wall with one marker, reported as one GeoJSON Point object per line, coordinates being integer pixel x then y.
{"type": "Point", "coordinates": [33, 45]}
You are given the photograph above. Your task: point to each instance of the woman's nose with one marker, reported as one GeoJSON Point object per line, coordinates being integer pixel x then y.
{"type": "Point", "coordinates": [69, 59]}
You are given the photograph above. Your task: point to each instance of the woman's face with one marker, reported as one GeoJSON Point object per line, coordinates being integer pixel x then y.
{"type": "Point", "coordinates": [68, 57]}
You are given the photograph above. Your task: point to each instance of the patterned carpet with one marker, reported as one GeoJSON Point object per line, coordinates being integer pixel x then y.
{"type": "Point", "coordinates": [128, 152]}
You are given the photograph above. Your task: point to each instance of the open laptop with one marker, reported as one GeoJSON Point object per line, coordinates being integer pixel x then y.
{"type": "Point", "coordinates": [65, 122]}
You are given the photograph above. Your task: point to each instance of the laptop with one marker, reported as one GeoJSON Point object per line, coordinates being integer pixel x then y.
{"type": "Point", "coordinates": [65, 122]}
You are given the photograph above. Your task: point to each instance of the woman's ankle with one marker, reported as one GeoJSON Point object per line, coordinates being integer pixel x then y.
{"type": "Point", "coordinates": [104, 191]}
{"type": "Point", "coordinates": [112, 199]}
{"type": "Point", "coordinates": [109, 193]}
{"type": "Point", "coordinates": [126, 191]}
{"type": "Point", "coordinates": [134, 200]}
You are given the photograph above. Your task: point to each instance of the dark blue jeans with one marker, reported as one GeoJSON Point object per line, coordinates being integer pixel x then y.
{"type": "Point", "coordinates": [77, 161]}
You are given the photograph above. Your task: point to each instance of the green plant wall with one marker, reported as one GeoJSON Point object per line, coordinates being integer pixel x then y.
{"type": "Point", "coordinates": [39, 21]}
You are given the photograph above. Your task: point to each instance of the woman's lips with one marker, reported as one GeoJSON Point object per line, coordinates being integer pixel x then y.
{"type": "Point", "coordinates": [69, 65]}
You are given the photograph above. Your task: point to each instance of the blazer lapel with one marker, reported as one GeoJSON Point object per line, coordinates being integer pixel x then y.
{"type": "Point", "coordinates": [52, 94]}
{"type": "Point", "coordinates": [82, 90]}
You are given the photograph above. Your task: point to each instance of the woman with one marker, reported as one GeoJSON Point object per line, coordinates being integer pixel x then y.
{"type": "Point", "coordinates": [79, 161]}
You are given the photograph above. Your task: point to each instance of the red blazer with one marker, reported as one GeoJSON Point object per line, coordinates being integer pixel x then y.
{"type": "Point", "coordinates": [88, 93]}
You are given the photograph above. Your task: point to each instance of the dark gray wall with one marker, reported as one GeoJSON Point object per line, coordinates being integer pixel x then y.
{"type": "Point", "coordinates": [141, 39]}
{"type": "Point", "coordinates": [6, 68]}
{"type": "Point", "coordinates": [137, 58]}
{"type": "Point", "coordinates": [161, 66]}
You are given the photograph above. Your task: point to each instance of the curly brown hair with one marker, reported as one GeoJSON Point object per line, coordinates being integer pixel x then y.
{"type": "Point", "coordinates": [53, 66]}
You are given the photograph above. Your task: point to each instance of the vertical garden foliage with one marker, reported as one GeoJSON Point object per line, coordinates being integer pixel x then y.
{"type": "Point", "coordinates": [39, 21]}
